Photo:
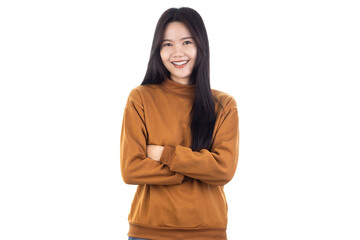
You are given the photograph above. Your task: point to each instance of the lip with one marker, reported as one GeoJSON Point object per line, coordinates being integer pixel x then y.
{"type": "Point", "coordinates": [180, 60]}
{"type": "Point", "coordinates": [182, 66]}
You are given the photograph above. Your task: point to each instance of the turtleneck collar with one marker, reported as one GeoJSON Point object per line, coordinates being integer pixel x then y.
{"type": "Point", "coordinates": [178, 88]}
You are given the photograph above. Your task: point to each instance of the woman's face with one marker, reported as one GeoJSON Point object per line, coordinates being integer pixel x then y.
{"type": "Point", "coordinates": [178, 52]}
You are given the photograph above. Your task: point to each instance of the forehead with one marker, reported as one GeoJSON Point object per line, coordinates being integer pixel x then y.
{"type": "Point", "coordinates": [176, 30]}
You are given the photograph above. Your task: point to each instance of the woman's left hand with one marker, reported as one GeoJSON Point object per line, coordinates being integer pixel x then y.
{"type": "Point", "coordinates": [154, 151]}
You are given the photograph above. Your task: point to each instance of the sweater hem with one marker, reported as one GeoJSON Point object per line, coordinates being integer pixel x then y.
{"type": "Point", "coordinates": [173, 233]}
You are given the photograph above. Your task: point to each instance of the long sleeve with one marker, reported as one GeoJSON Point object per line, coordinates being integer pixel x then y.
{"type": "Point", "coordinates": [136, 167]}
{"type": "Point", "coordinates": [216, 167]}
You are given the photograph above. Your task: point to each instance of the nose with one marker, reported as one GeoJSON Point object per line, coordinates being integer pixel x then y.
{"type": "Point", "coordinates": [178, 51]}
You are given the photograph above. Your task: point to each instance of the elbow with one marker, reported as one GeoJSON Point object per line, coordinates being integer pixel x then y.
{"type": "Point", "coordinates": [223, 179]}
{"type": "Point", "coordinates": [226, 179]}
{"type": "Point", "coordinates": [228, 173]}
{"type": "Point", "coordinates": [224, 172]}
{"type": "Point", "coordinates": [127, 172]}
{"type": "Point", "coordinates": [127, 178]}
{"type": "Point", "coordinates": [226, 176]}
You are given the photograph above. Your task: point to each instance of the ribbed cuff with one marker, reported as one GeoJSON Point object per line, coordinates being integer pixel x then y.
{"type": "Point", "coordinates": [167, 155]}
{"type": "Point", "coordinates": [181, 177]}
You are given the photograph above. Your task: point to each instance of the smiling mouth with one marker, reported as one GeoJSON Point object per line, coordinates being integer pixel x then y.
{"type": "Point", "coordinates": [180, 64]}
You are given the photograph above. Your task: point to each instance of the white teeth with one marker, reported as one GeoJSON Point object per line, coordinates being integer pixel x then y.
{"type": "Point", "coordinates": [180, 63]}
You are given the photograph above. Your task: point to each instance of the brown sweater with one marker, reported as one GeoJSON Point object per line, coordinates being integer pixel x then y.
{"type": "Point", "coordinates": [180, 197]}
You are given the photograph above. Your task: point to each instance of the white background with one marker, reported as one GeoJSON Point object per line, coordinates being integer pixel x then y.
{"type": "Point", "coordinates": [67, 67]}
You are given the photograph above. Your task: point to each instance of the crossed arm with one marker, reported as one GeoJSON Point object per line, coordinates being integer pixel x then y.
{"type": "Point", "coordinates": [168, 165]}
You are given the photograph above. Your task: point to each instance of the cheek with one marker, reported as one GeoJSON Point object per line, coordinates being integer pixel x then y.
{"type": "Point", "coordinates": [164, 55]}
{"type": "Point", "coordinates": [193, 53]}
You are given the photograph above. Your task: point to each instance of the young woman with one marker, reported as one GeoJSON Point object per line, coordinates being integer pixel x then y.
{"type": "Point", "coordinates": [179, 138]}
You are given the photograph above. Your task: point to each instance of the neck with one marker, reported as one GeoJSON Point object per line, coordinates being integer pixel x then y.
{"type": "Point", "coordinates": [179, 89]}
{"type": "Point", "coordinates": [184, 81]}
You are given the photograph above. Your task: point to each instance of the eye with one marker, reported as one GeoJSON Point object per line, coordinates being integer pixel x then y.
{"type": "Point", "coordinates": [187, 42]}
{"type": "Point", "coordinates": [166, 44]}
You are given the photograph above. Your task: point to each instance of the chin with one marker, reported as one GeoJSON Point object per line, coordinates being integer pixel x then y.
{"type": "Point", "coordinates": [183, 75]}
{"type": "Point", "coordinates": [180, 76]}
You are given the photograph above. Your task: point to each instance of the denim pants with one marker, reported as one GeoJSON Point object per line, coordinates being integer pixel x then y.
{"type": "Point", "coordinates": [132, 238]}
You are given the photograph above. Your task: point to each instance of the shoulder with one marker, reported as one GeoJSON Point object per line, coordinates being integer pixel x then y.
{"type": "Point", "coordinates": [138, 93]}
{"type": "Point", "coordinates": [226, 100]}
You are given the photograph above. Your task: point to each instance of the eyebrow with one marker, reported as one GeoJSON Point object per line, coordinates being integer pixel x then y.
{"type": "Point", "coordinates": [180, 39]}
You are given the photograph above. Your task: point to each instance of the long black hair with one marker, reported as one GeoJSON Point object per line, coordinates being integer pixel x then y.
{"type": "Point", "coordinates": [203, 114]}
